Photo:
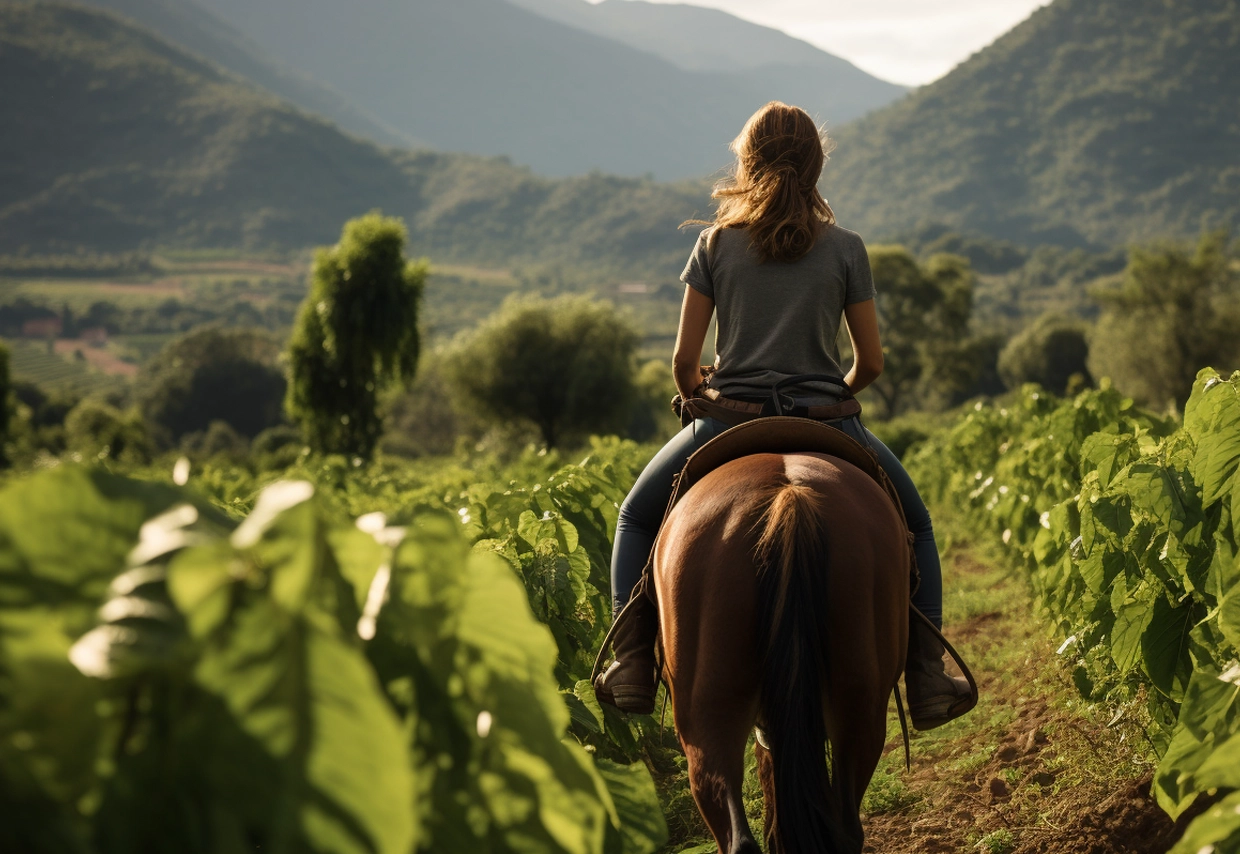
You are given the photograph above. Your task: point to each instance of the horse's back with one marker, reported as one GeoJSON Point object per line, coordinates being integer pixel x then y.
{"type": "Point", "coordinates": [709, 540]}
{"type": "Point", "coordinates": [706, 567]}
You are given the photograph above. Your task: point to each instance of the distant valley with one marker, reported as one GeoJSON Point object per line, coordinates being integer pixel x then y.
{"type": "Point", "coordinates": [246, 126]}
{"type": "Point", "coordinates": [118, 140]}
{"type": "Point", "coordinates": [489, 77]}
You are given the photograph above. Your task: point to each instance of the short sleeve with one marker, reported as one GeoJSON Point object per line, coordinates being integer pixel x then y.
{"type": "Point", "coordinates": [860, 285]}
{"type": "Point", "coordinates": [697, 271]}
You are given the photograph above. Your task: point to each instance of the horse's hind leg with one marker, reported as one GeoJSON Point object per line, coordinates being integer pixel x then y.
{"type": "Point", "coordinates": [861, 729]}
{"type": "Point", "coordinates": [716, 755]}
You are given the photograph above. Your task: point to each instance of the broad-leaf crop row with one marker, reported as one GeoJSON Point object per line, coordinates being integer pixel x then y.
{"type": "Point", "coordinates": [173, 679]}
{"type": "Point", "coordinates": [1128, 529]}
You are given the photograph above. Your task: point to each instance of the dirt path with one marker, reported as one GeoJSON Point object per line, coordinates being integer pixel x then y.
{"type": "Point", "coordinates": [1032, 770]}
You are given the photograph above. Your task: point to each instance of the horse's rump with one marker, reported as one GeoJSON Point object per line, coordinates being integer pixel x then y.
{"type": "Point", "coordinates": [783, 589]}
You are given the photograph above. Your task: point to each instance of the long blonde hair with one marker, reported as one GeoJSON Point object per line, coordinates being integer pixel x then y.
{"type": "Point", "coordinates": [773, 190]}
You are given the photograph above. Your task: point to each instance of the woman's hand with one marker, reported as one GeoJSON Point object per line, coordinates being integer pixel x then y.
{"type": "Point", "coordinates": [695, 314]}
{"type": "Point", "coordinates": [862, 318]}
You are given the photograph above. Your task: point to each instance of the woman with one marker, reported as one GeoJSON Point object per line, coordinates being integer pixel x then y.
{"type": "Point", "coordinates": [779, 273]}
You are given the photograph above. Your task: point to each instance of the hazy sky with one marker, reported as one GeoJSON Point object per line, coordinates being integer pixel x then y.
{"type": "Point", "coordinates": [904, 41]}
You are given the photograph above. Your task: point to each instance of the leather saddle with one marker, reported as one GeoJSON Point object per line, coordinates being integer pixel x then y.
{"type": "Point", "coordinates": [782, 434]}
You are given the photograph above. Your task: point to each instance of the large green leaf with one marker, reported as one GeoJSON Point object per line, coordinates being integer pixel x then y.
{"type": "Point", "coordinates": [310, 700]}
{"type": "Point", "coordinates": [1209, 716]}
{"type": "Point", "coordinates": [490, 717]}
{"type": "Point", "coordinates": [294, 680]}
{"type": "Point", "coordinates": [1132, 617]}
{"type": "Point", "coordinates": [1213, 418]}
{"type": "Point", "coordinates": [1164, 647]}
{"type": "Point", "coordinates": [1222, 769]}
{"type": "Point", "coordinates": [1216, 831]}
{"type": "Point", "coordinates": [642, 828]}
{"type": "Point", "coordinates": [528, 717]}
{"type": "Point", "coordinates": [65, 535]}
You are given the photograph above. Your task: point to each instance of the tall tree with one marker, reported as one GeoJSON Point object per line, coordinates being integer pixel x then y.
{"type": "Point", "coordinates": [1176, 312]}
{"type": "Point", "coordinates": [564, 365]}
{"type": "Point", "coordinates": [923, 313]}
{"type": "Point", "coordinates": [356, 333]}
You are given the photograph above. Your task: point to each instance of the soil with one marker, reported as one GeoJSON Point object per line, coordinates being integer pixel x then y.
{"type": "Point", "coordinates": [1058, 780]}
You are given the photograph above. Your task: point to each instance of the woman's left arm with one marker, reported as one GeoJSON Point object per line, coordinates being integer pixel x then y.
{"type": "Point", "coordinates": [695, 314]}
{"type": "Point", "coordinates": [867, 349]}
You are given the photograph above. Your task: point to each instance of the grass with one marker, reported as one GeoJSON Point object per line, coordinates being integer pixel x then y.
{"type": "Point", "coordinates": [999, 842]}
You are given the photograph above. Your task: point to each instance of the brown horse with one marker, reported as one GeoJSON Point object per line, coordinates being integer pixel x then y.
{"type": "Point", "coordinates": [784, 593]}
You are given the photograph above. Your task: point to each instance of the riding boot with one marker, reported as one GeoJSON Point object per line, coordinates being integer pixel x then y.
{"type": "Point", "coordinates": [629, 683]}
{"type": "Point", "coordinates": [934, 696]}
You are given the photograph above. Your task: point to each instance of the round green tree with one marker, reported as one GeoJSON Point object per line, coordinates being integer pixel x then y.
{"type": "Point", "coordinates": [210, 375]}
{"type": "Point", "coordinates": [1052, 352]}
{"type": "Point", "coordinates": [563, 365]}
{"type": "Point", "coordinates": [356, 333]}
{"type": "Point", "coordinates": [923, 312]}
{"type": "Point", "coordinates": [1176, 312]}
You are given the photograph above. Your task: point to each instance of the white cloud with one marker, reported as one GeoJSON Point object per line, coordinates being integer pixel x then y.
{"type": "Point", "coordinates": [905, 41]}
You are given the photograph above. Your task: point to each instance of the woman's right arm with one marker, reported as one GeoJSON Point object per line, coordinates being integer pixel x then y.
{"type": "Point", "coordinates": [695, 314]}
{"type": "Point", "coordinates": [867, 363]}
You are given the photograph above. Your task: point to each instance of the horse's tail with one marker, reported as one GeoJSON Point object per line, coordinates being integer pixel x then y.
{"type": "Point", "coordinates": [792, 591]}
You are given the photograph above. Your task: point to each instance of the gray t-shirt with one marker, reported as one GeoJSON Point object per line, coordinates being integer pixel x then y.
{"type": "Point", "coordinates": [778, 319]}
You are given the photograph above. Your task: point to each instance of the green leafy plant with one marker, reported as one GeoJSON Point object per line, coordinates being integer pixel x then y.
{"type": "Point", "coordinates": [1127, 528]}
{"type": "Point", "coordinates": [173, 679]}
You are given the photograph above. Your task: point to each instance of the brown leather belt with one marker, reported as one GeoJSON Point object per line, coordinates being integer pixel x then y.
{"type": "Point", "coordinates": [709, 403]}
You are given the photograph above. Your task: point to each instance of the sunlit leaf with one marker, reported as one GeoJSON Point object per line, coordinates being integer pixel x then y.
{"type": "Point", "coordinates": [642, 828]}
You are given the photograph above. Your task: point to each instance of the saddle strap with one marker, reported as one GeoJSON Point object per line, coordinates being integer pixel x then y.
{"type": "Point", "coordinates": [916, 614]}
{"type": "Point", "coordinates": [908, 755]}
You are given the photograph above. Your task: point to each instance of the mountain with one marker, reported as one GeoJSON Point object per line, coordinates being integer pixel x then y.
{"type": "Point", "coordinates": [116, 139]}
{"type": "Point", "coordinates": [193, 27]}
{"type": "Point", "coordinates": [739, 53]}
{"type": "Point", "coordinates": [1094, 121]}
{"type": "Point", "coordinates": [488, 77]}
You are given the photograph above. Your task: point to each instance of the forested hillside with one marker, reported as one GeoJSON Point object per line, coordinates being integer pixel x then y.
{"type": "Point", "coordinates": [488, 77]}
{"type": "Point", "coordinates": [738, 55]}
{"type": "Point", "coordinates": [191, 26]}
{"type": "Point", "coordinates": [1086, 124]}
{"type": "Point", "coordinates": [1104, 121]}
{"type": "Point", "coordinates": [116, 139]}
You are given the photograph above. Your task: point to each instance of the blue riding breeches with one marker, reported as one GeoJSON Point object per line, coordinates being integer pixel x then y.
{"type": "Point", "coordinates": [641, 514]}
